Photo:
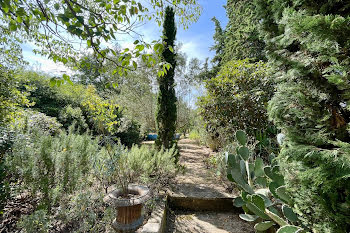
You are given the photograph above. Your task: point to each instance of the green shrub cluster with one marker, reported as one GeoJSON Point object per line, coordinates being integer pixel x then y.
{"type": "Point", "coordinates": [144, 164]}
{"type": "Point", "coordinates": [80, 105]}
{"type": "Point", "coordinates": [237, 99]}
{"type": "Point", "coordinates": [51, 165]}
{"type": "Point", "coordinates": [34, 121]}
{"type": "Point", "coordinates": [129, 132]}
{"type": "Point", "coordinates": [194, 135]}
{"type": "Point", "coordinates": [12, 98]}
{"type": "Point", "coordinates": [73, 115]}
{"type": "Point", "coordinates": [69, 173]}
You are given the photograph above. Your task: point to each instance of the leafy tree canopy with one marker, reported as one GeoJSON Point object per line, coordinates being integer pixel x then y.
{"type": "Point", "coordinates": [218, 47]}
{"type": "Point", "coordinates": [62, 28]}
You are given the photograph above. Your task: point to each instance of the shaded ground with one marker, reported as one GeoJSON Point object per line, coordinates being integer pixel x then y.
{"type": "Point", "coordinates": [200, 182]}
{"type": "Point", "coordinates": [206, 222]}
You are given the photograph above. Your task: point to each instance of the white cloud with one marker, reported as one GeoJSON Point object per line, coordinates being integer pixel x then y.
{"type": "Point", "coordinates": [195, 49]}
{"type": "Point", "coordinates": [45, 65]}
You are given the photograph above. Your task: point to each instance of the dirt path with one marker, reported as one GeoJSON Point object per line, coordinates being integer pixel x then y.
{"type": "Point", "coordinates": [200, 182]}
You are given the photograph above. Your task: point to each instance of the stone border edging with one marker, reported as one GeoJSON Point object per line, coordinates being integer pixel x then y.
{"type": "Point", "coordinates": [157, 222]}
{"type": "Point", "coordinates": [221, 204]}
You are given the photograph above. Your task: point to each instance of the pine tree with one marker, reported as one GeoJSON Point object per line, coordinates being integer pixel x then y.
{"type": "Point", "coordinates": [308, 45]}
{"type": "Point", "coordinates": [218, 47]}
{"type": "Point", "coordinates": [166, 102]}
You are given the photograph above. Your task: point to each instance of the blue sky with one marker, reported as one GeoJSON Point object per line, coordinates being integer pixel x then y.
{"type": "Point", "coordinates": [199, 37]}
{"type": "Point", "coordinates": [196, 40]}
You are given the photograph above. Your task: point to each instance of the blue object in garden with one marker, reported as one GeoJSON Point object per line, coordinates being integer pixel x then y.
{"type": "Point", "coordinates": [152, 137]}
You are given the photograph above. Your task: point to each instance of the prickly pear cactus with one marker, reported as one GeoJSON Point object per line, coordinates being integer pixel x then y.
{"type": "Point", "coordinates": [263, 195]}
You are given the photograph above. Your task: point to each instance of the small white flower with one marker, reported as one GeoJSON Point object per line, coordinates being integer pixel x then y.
{"type": "Point", "coordinates": [280, 138]}
{"type": "Point", "coordinates": [343, 104]}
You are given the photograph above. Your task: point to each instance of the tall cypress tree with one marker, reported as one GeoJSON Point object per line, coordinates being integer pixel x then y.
{"type": "Point", "coordinates": [308, 45]}
{"type": "Point", "coordinates": [166, 102]}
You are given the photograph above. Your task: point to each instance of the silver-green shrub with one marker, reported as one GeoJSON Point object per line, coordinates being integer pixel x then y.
{"type": "Point", "coordinates": [139, 164]}
{"type": "Point", "coordinates": [51, 166]}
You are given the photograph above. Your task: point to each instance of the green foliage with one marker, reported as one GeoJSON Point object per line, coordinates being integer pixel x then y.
{"type": "Point", "coordinates": [129, 132]}
{"type": "Point", "coordinates": [85, 211]}
{"type": "Point", "coordinates": [37, 222]}
{"type": "Point", "coordinates": [242, 39]}
{"type": "Point", "coordinates": [194, 135]}
{"type": "Point", "coordinates": [91, 23]}
{"type": "Point", "coordinates": [136, 95]}
{"type": "Point", "coordinates": [311, 105]}
{"type": "Point", "coordinates": [52, 166]}
{"type": "Point", "coordinates": [236, 99]}
{"type": "Point", "coordinates": [11, 98]}
{"type": "Point", "coordinates": [51, 99]}
{"type": "Point", "coordinates": [218, 47]}
{"type": "Point", "coordinates": [10, 50]}
{"type": "Point", "coordinates": [185, 116]}
{"type": "Point", "coordinates": [103, 115]}
{"type": "Point", "coordinates": [117, 165]}
{"type": "Point", "coordinates": [239, 40]}
{"type": "Point", "coordinates": [262, 188]}
{"type": "Point", "coordinates": [100, 75]}
{"type": "Point", "coordinates": [82, 106]}
{"type": "Point", "coordinates": [6, 142]}
{"type": "Point", "coordinates": [34, 121]}
{"type": "Point", "coordinates": [166, 102]}
{"type": "Point", "coordinates": [4, 186]}
{"type": "Point", "coordinates": [73, 115]}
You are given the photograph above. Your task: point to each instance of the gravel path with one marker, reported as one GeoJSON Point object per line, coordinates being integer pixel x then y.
{"type": "Point", "coordinates": [197, 181]}
{"type": "Point", "coordinates": [200, 182]}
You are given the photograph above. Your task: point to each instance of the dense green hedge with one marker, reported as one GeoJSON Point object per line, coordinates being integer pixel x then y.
{"type": "Point", "coordinates": [307, 44]}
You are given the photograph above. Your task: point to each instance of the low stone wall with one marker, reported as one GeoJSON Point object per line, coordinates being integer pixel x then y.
{"type": "Point", "coordinates": [202, 204]}
{"type": "Point", "coordinates": [157, 222]}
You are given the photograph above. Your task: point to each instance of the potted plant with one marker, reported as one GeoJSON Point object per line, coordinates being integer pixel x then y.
{"type": "Point", "coordinates": [117, 165]}
{"type": "Point", "coordinates": [129, 207]}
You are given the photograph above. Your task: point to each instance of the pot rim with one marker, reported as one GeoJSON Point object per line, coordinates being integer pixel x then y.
{"type": "Point", "coordinates": [113, 198]}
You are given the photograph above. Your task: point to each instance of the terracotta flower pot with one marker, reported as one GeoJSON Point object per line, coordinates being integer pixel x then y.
{"type": "Point", "coordinates": [129, 216]}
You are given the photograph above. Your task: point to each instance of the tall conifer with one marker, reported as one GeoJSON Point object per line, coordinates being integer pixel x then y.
{"type": "Point", "coordinates": [166, 102]}
{"type": "Point", "coordinates": [242, 38]}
